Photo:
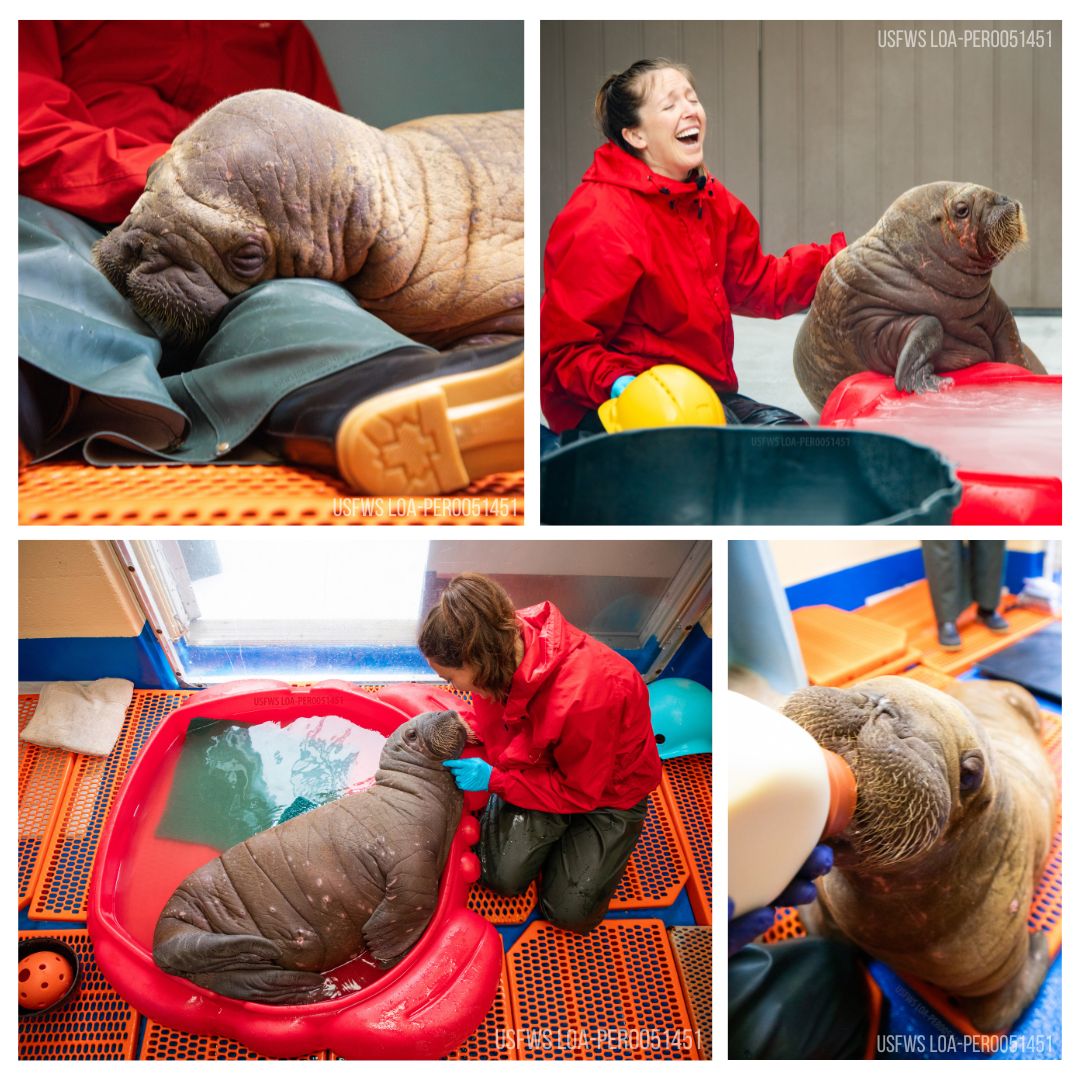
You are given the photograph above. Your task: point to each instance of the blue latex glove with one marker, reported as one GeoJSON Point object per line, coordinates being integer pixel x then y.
{"type": "Point", "coordinates": [620, 384]}
{"type": "Point", "coordinates": [801, 890]}
{"type": "Point", "coordinates": [470, 774]}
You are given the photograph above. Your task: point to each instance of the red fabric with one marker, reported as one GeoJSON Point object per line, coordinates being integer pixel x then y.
{"type": "Point", "coordinates": [641, 270]}
{"type": "Point", "coordinates": [575, 732]}
{"type": "Point", "coordinates": [99, 102]}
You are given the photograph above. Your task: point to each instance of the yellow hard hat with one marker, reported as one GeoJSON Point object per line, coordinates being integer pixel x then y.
{"type": "Point", "coordinates": [665, 395]}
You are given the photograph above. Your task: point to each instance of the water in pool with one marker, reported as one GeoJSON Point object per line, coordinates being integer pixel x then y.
{"type": "Point", "coordinates": [224, 782]}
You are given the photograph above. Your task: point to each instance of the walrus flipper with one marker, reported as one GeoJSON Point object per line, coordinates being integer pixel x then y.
{"type": "Point", "coordinates": [235, 965]}
{"type": "Point", "coordinates": [403, 914]}
{"type": "Point", "coordinates": [190, 950]}
{"type": "Point", "coordinates": [1000, 1010]}
{"type": "Point", "coordinates": [915, 365]}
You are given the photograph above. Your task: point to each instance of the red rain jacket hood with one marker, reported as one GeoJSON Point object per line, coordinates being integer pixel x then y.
{"type": "Point", "coordinates": [641, 270]}
{"type": "Point", "coordinates": [575, 733]}
{"type": "Point", "coordinates": [99, 102]}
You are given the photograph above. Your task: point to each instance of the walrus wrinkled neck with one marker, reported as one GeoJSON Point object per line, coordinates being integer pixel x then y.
{"type": "Point", "coordinates": [955, 273]}
{"type": "Point", "coordinates": [418, 777]}
{"type": "Point", "coordinates": [387, 221]}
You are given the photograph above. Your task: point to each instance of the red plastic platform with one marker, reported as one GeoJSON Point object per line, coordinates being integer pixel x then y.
{"type": "Point", "coordinates": [999, 424]}
{"type": "Point", "coordinates": [611, 995]}
{"type": "Point", "coordinates": [421, 1008]}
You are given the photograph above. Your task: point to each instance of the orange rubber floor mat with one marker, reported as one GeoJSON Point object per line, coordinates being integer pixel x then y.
{"type": "Point", "coordinates": [74, 493]}
{"type": "Point", "coordinates": [163, 1044]}
{"type": "Point", "coordinates": [502, 910]}
{"type": "Point", "coordinates": [610, 995]}
{"type": "Point", "coordinates": [687, 786]}
{"type": "Point", "coordinates": [692, 948]}
{"type": "Point", "coordinates": [657, 870]}
{"type": "Point", "coordinates": [838, 646]}
{"type": "Point", "coordinates": [94, 1023]}
{"type": "Point", "coordinates": [44, 773]}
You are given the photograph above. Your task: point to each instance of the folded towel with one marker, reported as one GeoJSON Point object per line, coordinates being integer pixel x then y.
{"type": "Point", "coordinates": [82, 717]}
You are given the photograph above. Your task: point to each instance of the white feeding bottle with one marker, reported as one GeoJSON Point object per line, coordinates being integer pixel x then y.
{"type": "Point", "coordinates": [786, 793]}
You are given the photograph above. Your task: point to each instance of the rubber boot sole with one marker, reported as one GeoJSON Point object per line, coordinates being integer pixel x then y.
{"type": "Point", "coordinates": [436, 436]}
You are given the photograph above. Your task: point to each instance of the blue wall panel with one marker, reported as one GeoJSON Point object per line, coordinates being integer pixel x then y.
{"type": "Point", "coordinates": [139, 659]}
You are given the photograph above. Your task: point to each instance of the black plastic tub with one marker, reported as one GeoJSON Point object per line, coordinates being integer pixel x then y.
{"type": "Point", "coordinates": [747, 476]}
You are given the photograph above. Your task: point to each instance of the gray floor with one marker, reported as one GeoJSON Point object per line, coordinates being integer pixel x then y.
{"type": "Point", "coordinates": [763, 349]}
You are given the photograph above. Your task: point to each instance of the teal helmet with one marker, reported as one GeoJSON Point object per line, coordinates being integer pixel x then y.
{"type": "Point", "coordinates": [681, 717]}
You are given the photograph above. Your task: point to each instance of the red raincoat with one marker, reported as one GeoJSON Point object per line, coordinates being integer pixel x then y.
{"type": "Point", "coordinates": [574, 734]}
{"type": "Point", "coordinates": [641, 270]}
{"type": "Point", "coordinates": [99, 102]}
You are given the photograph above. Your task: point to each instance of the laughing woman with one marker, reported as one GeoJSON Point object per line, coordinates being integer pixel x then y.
{"type": "Point", "coordinates": [651, 256]}
{"type": "Point", "coordinates": [567, 749]}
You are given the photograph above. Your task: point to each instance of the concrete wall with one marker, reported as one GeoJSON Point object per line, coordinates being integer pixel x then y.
{"type": "Point", "coordinates": [387, 72]}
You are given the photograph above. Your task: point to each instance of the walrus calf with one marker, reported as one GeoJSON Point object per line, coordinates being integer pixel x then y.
{"type": "Point", "coordinates": [422, 222]}
{"type": "Point", "coordinates": [263, 920]}
{"type": "Point", "coordinates": [953, 819]}
{"type": "Point", "coordinates": [912, 297]}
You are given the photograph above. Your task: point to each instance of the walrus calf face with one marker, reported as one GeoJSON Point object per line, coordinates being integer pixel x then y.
{"type": "Point", "coordinates": [431, 736]}
{"type": "Point", "coordinates": [179, 258]}
{"type": "Point", "coordinates": [969, 226]}
{"type": "Point", "coordinates": [919, 759]}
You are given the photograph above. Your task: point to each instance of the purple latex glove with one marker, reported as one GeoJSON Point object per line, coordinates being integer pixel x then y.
{"type": "Point", "coordinates": [801, 890]}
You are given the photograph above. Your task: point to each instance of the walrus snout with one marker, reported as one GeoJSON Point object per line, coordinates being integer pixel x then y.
{"type": "Point", "coordinates": [442, 734]}
{"type": "Point", "coordinates": [1006, 226]}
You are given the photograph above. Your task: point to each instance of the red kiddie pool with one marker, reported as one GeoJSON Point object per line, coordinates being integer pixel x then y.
{"type": "Point", "coordinates": [999, 424]}
{"type": "Point", "coordinates": [425, 1006]}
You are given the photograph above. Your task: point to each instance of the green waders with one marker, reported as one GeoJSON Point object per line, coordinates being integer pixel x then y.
{"type": "Point", "coordinates": [93, 374]}
{"type": "Point", "coordinates": [579, 857]}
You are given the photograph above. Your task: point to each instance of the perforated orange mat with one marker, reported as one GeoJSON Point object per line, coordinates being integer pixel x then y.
{"type": "Point", "coordinates": [687, 786]}
{"type": "Point", "coordinates": [612, 994]}
{"type": "Point", "coordinates": [692, 948]}
{"type": "Point", "coordinates": [838, 646]}
{"type": "Point", "coordinates": [84, 807]}
{"type": "Point", "coordinates": [94, 1023]}
{"type": "Point", "coordinates": [1045, 915]}
{"type": "Point", "coordinates": [163, 1044]}
{"type": "Point", "coordinates": [44, 773]}
{"type": "Point", "coordinates": [657, 870]}
{"type": "Point", "coordinates": [73, 493]}
{"type": "Point", "coordinates": [502, 910]}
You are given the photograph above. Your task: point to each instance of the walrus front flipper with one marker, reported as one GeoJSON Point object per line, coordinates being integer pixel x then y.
{"type": "Point", "coordinates": [405, 910]}
{"type": "Point", "coordinates": [915, 366]}
{"type": "Point", "coordinates": [1000, 1010]}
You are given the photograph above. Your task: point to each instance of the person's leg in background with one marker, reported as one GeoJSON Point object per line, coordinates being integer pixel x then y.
{"type": "Point", "coordinates": [949, 591]}
{"type": "Point", "coordinates": [987, 574]}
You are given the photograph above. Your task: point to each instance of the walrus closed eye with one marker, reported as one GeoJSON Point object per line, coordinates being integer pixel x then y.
{"type": "Point", "coordinates": [912, 297]}
{"type": "Point", "coordinates": [422, 222]}
{"type": "Point", "coordinates": [952, 825]}
{"type": "Point", "coordinates": [266, 919]}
